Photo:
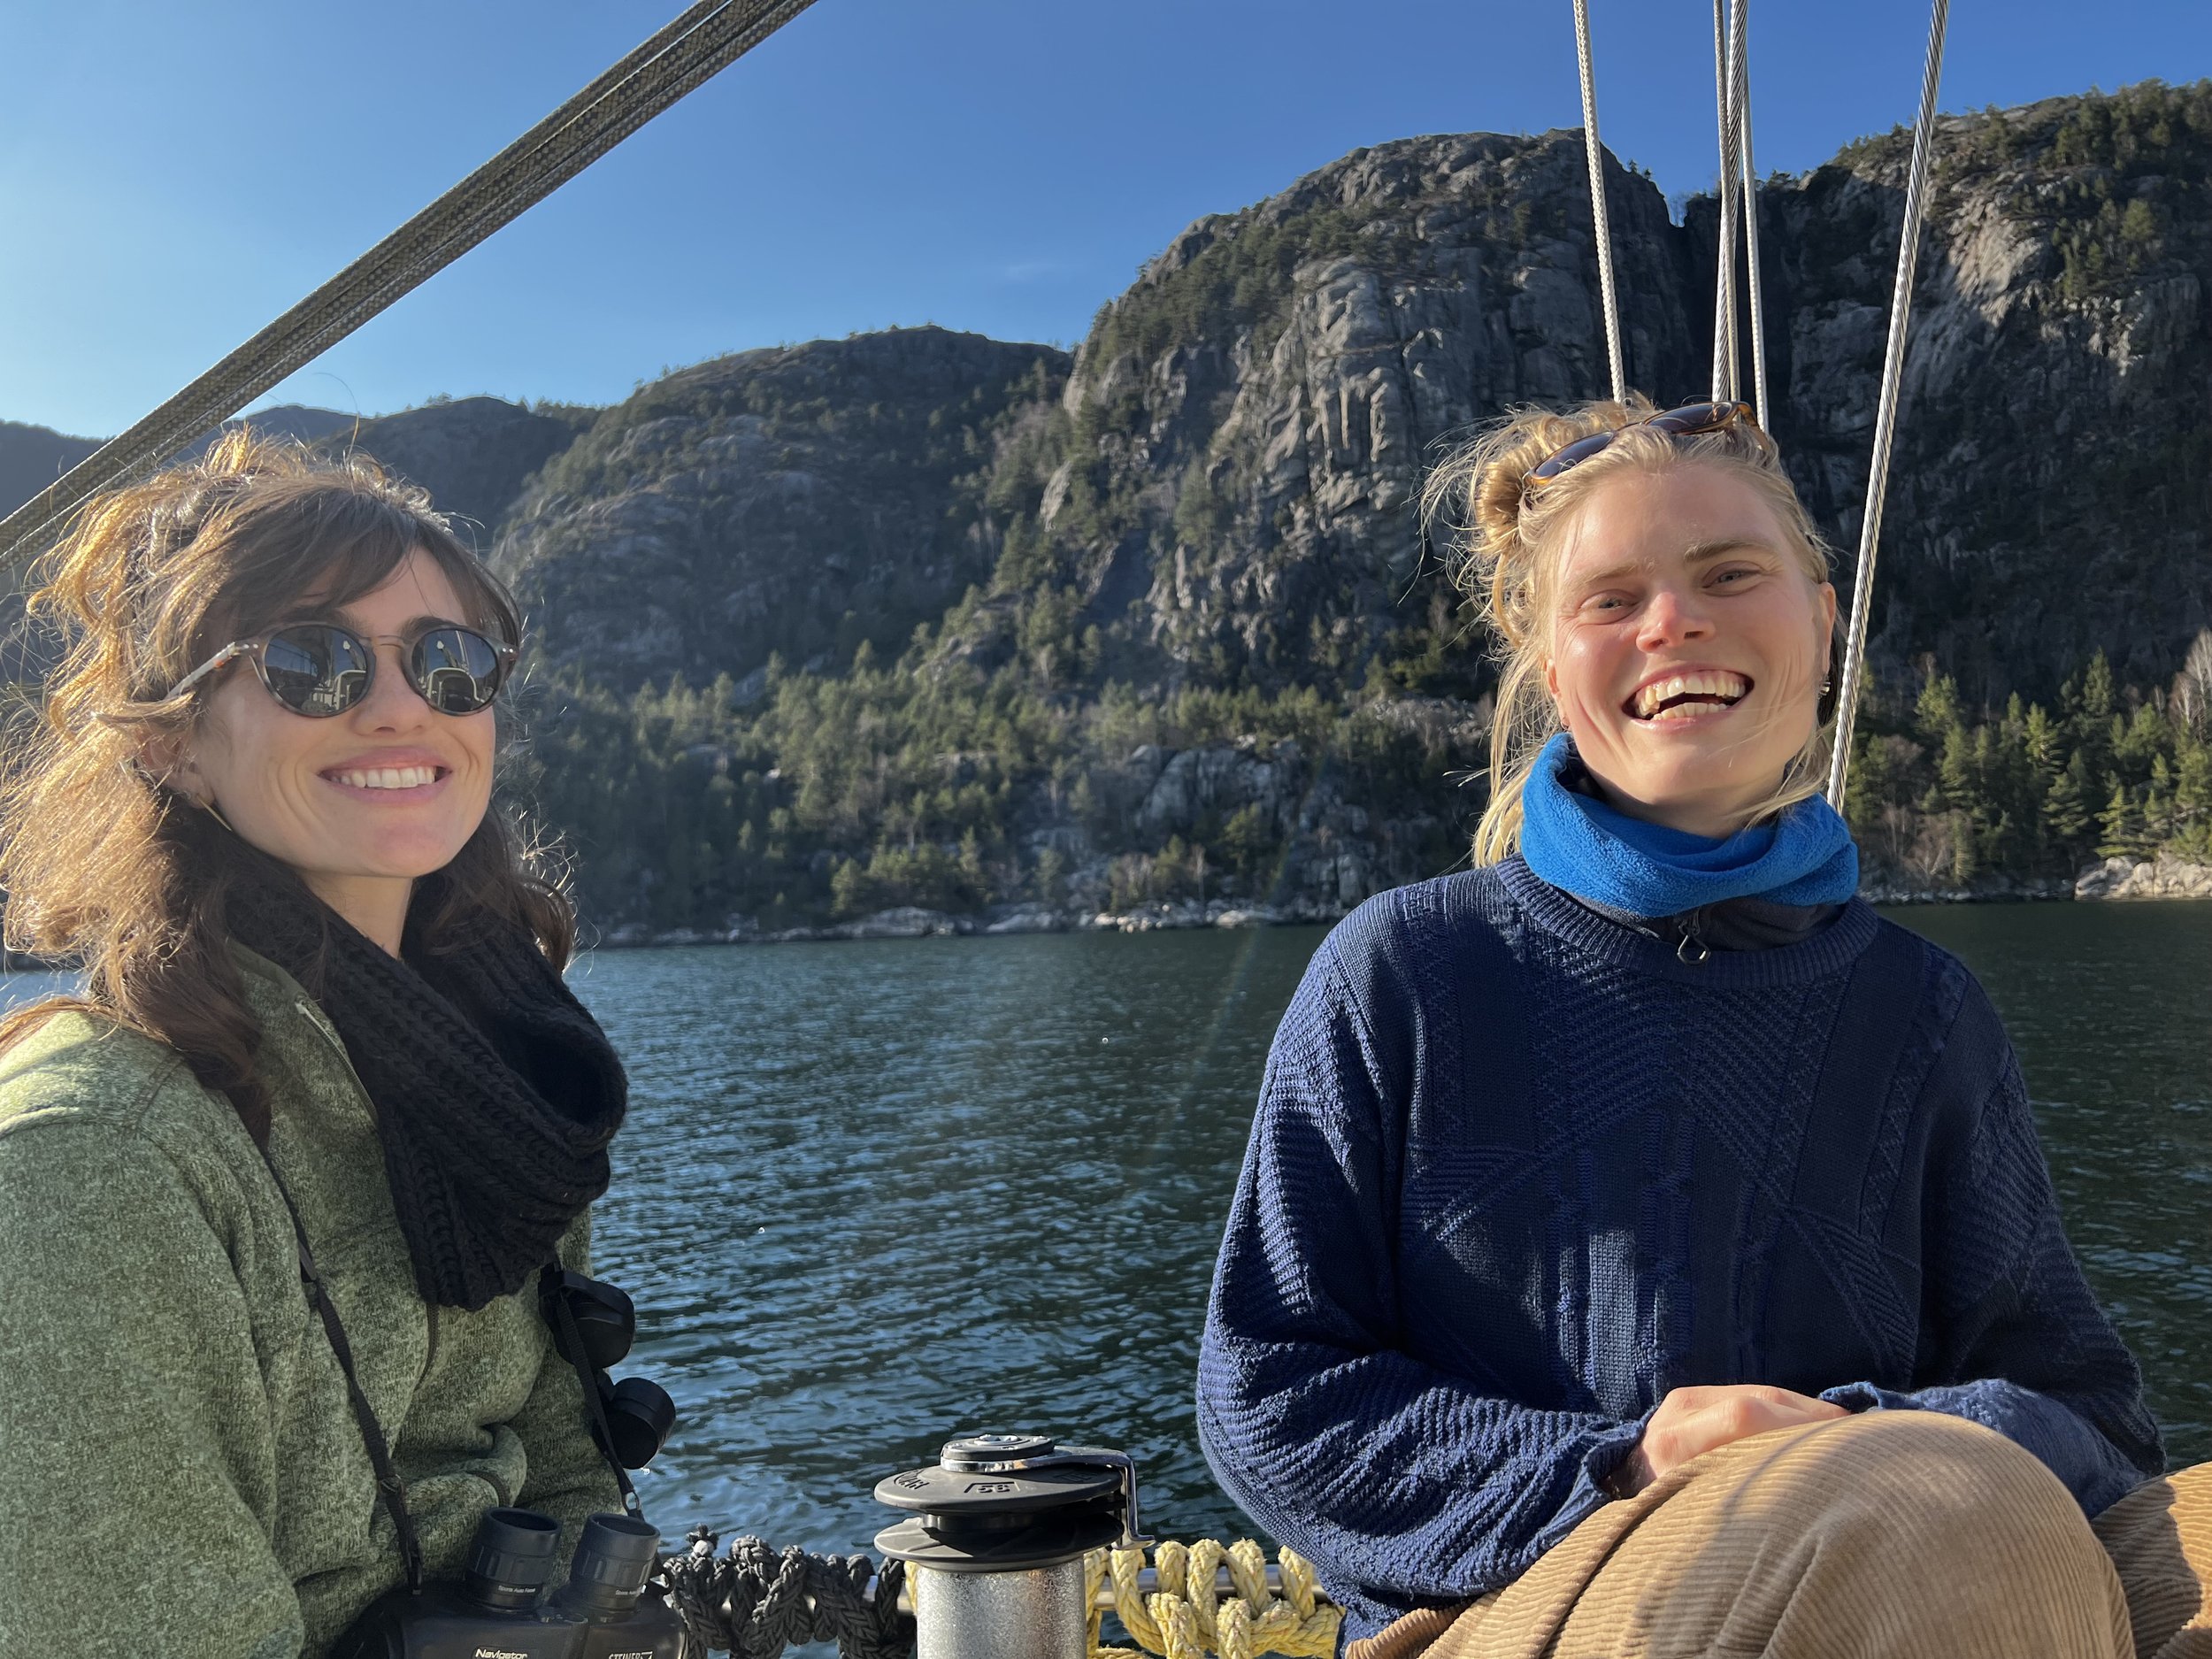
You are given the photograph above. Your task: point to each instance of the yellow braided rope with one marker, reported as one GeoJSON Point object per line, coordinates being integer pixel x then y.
{"type": "Point", "coordinates": [1186, 1617]}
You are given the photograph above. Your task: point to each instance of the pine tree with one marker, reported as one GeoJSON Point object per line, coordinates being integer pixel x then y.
{"type": "Point", "coordinates": [1937, 712]}
{"type": "Point", "coordinates": [2011, 792]}
{"type": "Point", "coordinates": [2045, 744]}
{"type": "Point", "coordinates": [2193, 795]}
{"type": "Point", "coordinates": [2098, 697]}
{"type": "Point", "coordinates": [2158, 803]}
{"type": "Point", "coordinates": [849, 888]}
{"type": "Point", "coordinates": [2091, 723]}
{"type": "Point", "coordinates": [2143, 738]}
{"type": "Point", "coordinates": [1957, 775]}
{"type": "Point", "coordinates": [1965, 856]}
{"type": "Point", "coordinates": [2122, 826]}
{"type": "Point", "coordinates": [2066, 817]}
{"type": "Point", "coordinates": [1876, 780]}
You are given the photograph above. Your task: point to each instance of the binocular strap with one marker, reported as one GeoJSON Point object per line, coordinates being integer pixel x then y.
{"type": "Point", "coordinates": [571, 1344]}
{"type": "Point", "coordinates": [387, 1481]}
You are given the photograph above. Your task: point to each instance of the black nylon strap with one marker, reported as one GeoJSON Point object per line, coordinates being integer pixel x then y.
{"type": "Point", "coordinates": [571, 1346]}
{"type": "Point", "coordinates": [389, 1484]}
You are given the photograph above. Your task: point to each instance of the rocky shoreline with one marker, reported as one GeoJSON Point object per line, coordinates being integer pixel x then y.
{"type": "Point", "coordinates": [2162, 878]}
{"type": "Point", "coordinates": [911, 922]}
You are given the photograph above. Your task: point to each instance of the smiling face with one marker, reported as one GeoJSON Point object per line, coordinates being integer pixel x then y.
{"type": "Point", "coordinates": [362, 802]}
{"type": "Point", "coordinates": [1688, 641]}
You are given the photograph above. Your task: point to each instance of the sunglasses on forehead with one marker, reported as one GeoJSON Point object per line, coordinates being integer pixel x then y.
{"type": "Point", "coordinates": [318, 669]}
{"type": "Point", "coordinates": [1691, 420]}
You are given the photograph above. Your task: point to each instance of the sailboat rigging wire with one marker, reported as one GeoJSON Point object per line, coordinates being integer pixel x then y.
{"type": "Point", "coordinates": [707, 38]}
{"type": "Point", "coordinates": [1749, 185]}
{"type": "Point", "coordinates": [1725, 375]}
{"type": "Point", "coordinates": [1600, 226]}
{"type": "Point", "coordinates": [1885, 412]}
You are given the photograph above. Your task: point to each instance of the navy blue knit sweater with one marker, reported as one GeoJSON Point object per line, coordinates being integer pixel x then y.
{"type": "Point", "coordinates": [1518, 1171]}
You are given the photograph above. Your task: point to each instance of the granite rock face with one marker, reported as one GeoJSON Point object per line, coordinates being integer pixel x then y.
{"type": "Point", "coordinates": [473, 454]}
{"type": "Point", "coordinates": [1229, 492]}
{"type": "Point", "coordinates": [1229, 489]}
{"type": "Point", "coordinates": [2052, 491]}
{"type": "Point", "coordinates": [798, 501]}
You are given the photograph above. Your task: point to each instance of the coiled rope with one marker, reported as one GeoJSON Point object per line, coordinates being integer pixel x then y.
{"type": "Point", "coordinates": [1601, 227]}
{"type": "Point", "coordinates": [1185, 1617]}
{"type": "Point", "coordinates": [703, 41]}
{"type": "Point", "coordinates": [1885, 412]}
{"type": "Point", "coordinates": [755, 1601]}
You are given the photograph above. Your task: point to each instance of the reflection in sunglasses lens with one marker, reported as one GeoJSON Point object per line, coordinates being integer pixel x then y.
{"type": "Point", "coordinates": [316, 670]}
{"type": "Point", "coordinates": [457, 669]}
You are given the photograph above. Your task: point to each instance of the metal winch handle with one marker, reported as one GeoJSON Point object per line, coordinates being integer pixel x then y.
{"type": "Point", "coordinates": [1006, 1454]}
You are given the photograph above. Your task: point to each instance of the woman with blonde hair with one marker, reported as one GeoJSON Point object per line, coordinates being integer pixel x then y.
{"type": "Point", "coordinates": [1643, 1248]}
{"type": "Point", "coordinates": [278, 1188]}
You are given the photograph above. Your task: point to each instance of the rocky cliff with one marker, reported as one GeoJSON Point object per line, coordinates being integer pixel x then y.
{"type": "Point", "coordinates": [474, 455]}
{"type": "Point", "coordinates": [800, 500]}
{"type": "Point", "coordinates": [2053, 488]}
{"type": "Point", "coordinates": [1227, 488]}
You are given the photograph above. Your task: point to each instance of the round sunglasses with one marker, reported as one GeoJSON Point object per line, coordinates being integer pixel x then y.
{"type": "Point", "coordinates": [318, 669]}
{"type": "Point", "coordinates": [1692, 420]}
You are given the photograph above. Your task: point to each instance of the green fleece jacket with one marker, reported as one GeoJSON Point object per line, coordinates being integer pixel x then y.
{"type": "Point", "coordinates": [181, 1474]}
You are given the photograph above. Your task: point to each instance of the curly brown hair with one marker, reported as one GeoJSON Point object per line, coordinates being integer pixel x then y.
{"type": "Point", "coordinates": [102, 864]}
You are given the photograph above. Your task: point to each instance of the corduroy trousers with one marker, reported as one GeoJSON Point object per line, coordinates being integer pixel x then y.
{"type": "Point", "coordinates": [1890, 1535]}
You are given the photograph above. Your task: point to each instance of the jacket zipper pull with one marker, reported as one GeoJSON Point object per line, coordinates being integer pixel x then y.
{"type": "Point", "coordinates": [1692, 950]}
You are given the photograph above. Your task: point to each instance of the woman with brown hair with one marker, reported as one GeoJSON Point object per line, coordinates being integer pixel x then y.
{"type": "Point", "coordinates": [1643, 1249]}
{"type": "Point", "coordinates": [323, 1036]}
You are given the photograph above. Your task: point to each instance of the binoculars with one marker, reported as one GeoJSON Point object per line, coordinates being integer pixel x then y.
{"type": "Point", "coordinates": [500, 1605]}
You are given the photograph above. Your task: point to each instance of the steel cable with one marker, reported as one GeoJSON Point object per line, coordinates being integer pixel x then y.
{"type": "Point", "coordinates": [1750, 186]}
{"type": "Point", "coordinates": [1601, 227]}
{"type": "Point", "coordinates": [698, 45]}
{"type": "Point", "coordinates": [1725, 376]}
{"type": "Point", "coordinates": [1885, 412]}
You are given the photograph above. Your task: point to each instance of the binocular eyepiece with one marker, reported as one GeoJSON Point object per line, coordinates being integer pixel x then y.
{"type": "Point", "coordinates": [501, 1604]}
{"type": "Point", "coordinates": [511, 1558]}
{"type": "Point", "coordinates": [614, 1559]}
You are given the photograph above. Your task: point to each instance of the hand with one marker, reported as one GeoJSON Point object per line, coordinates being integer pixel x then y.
{"type": "Point", "coordinates": [1690, 1421]}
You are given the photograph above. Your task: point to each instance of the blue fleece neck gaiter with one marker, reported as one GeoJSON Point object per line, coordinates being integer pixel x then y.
{"type": "Point", "coordinates": [1576, 842]}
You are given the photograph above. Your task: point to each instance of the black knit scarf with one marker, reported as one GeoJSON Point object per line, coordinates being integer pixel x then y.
{"type": "Point", "coordinates": [496, 1092]}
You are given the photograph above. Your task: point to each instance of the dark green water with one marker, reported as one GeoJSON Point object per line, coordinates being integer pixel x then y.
{"type": "Point", "coordinates": [875, 1193]}
{"type": "Point", "coordinates": [2111, 1008]}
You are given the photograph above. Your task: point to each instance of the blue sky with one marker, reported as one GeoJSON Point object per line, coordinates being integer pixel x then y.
{"type": "Point", "coordinates": [171, 177]}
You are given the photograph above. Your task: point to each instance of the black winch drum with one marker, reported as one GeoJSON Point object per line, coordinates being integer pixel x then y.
{"type": "Point", "coordinates": [994, 1539]}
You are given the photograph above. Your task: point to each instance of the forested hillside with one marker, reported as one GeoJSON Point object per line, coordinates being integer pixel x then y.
{"type": "Point", "coordinates": [921, 618]}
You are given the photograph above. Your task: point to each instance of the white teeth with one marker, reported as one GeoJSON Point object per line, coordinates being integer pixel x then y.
{"type": "Point", "coordinates": [1704, 683]}
{"type": "Point", "coordinates": [387, 778]}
